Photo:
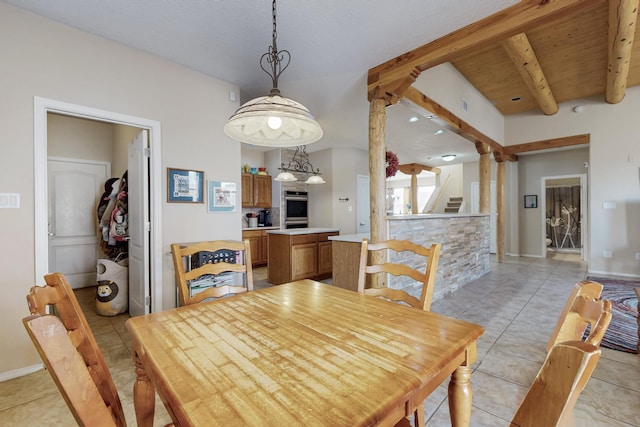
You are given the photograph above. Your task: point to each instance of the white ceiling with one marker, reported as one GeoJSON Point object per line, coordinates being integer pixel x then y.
{"type": "Point", "coordinates": [333, 43]}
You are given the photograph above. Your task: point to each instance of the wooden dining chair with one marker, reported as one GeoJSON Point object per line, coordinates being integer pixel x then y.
{"type": "Point", "coordinates": [555, 390]}
{"type": "Point", "coordinates": [426, 278]}
{"type": "Point", "coordinates": [69, 371]}
{"type": "Point", "coordinates": [58, 295]}
{"type": "Point", "coordinates": [203, 260]}
{"type": "Point", "coordinates": [583, 308]}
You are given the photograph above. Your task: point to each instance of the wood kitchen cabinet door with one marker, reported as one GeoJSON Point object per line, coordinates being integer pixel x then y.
{"type": "Point", "coordinates": [255, 244]}
{"type": "Point", "coordinates": [325, 258]}
{"type": "Point", "coordinates": [304, 261]}
{"type": "Point", "coordinates": [261, 191]}
{"type": "Point", "coordinates": [247, 191]}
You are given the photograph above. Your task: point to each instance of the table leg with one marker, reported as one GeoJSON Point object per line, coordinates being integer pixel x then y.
{"type": "Point", "coordinates": [143, 395]}
{"type": "Point", "coordinates": [460, 397]}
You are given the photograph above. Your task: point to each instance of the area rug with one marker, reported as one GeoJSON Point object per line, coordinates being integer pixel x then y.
{"type": "Point", "coordinates": [622, 333]}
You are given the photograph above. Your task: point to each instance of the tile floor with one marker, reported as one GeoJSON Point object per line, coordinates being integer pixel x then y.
{"type": "Point", "coordinates": [518, 304]}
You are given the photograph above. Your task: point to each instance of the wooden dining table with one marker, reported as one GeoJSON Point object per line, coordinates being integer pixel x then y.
{"type": "Point", "coordinates": [300, 353]}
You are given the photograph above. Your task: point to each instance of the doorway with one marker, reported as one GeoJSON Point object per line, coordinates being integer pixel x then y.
{"type": "Point", "coordinates": [564, 214]}
{"type": "Point", "coordinates": [152, 289]}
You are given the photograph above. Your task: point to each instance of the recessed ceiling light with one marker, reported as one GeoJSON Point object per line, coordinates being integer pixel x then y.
{"type": "Point", "coordinates": [448, 157]}
{"type": "Point", "coordinates": [413, 119]}
{"type": "Point", "coordinates": [439, 132]}
{"type": "Point", "coordinates": [578, 109]}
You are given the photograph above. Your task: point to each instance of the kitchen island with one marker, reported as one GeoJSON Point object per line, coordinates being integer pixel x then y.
{"type": "Point", "coordinates": [299, 253]}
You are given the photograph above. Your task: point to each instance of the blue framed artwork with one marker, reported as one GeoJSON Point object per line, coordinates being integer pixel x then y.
{"type": "Point", "coordinates": [185, 186]}
{"type": "Point", "coordinates": [222, 196]}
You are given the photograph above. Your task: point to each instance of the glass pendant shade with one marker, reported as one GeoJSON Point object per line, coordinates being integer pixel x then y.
{"type": "Point", "coordinates": [315, 179]}
{"type": "Point", "coordinates": [256, 122]}
{"type": "Point", "coordinates": [285, 177]}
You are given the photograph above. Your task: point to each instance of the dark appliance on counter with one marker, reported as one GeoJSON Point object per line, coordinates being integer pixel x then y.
{"type": "Point", "coordinates": [264, 218]}
{"type": "Point", "coordinates": [295, 209]}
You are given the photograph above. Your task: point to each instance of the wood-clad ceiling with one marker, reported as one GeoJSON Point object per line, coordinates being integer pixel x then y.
{"type": "Point", "coordinates": [527, 58]}
{"type": "Point", "coordinates": [572, 52]}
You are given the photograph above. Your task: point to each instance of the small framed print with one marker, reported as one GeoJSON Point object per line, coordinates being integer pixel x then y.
{"type": "Point", "coordinates": [530, 201]}
{"type": "Point", "coordinates": [185, 186]}
{"type": "Point", "coordinates": [222, 196]}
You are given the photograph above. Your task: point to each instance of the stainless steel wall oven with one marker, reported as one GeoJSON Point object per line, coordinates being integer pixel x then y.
{"type": "Point", "coordinates": [296, 209]}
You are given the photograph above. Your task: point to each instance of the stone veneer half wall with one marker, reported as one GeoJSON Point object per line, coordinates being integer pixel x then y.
{"type": "Point", "coordinates": [465, 248]}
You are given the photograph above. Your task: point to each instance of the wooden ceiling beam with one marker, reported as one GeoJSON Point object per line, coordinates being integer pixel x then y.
{"type": "Point", "coordinates": [546, 144]}
{"type": "Point", "coordinates": [391, 77]}
{"type": "Point", "coordinates": [459, 126]}
{"type": "Point", "coordinates": [416, 168]}
{"type": "Point", "coordinates": [524, 58]}
{"type": "Point", "coordinates": [622, 27]}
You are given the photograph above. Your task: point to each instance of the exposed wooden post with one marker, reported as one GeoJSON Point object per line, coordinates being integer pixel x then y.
{"type": "Point", "coordinates": [524, 58]}
{"type": "Point", "coordinates": [377, 182]}
{"type": "Point", "coordinates": [622, 27]}
{"type": "Point", "coordinates": [484, 177]}
{"type": "Point", "coordinates": [500, 208]}
{"type": "Point", "coordinates": [414, 193]}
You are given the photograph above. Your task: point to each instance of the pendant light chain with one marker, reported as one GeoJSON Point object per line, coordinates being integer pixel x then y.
{"type": "Point", "coordinates": [272, 61]}
{"type": "Point", "coordinates": [273, 120]}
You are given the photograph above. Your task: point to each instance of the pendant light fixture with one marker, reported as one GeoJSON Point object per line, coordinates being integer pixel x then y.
{"type": "Point", "coordinates": [300, 164]}
{"type": "Point", "coordinates": [273, 120]}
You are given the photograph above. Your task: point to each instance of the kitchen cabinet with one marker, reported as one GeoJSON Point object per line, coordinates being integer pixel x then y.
{"type": "Point", "coordinates": [259, 248]}
{"type": "Point", "coordinates": [256, 191]}
{"type": "Point", "coordinates": [302, 254]}
{"type": "Point", "coordinates": [325, 254]}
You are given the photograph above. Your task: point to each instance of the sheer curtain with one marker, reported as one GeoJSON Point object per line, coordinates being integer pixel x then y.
{"type": "Point", "coordinates": [563, 216]}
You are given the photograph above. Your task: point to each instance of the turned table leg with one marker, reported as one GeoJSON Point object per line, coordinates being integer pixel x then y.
{"type": "Point", "coordinates": [143, 395]}
{"type": "Point", "coordinates": [460, 397]}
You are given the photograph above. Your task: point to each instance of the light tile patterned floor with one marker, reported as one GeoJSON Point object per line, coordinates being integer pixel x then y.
{"type": "Point", "coordinates": [517, 303]}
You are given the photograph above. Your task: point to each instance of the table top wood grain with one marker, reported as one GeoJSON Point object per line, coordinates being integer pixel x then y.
{"type": "Point", "coordinates": [298, 353]}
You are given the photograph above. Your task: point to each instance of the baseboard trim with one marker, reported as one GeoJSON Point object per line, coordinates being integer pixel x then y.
{"type": "Point", "coordinates": [533, 255]}
{"type": "Point", "coordinates": [611, 273]}
{"type": "Point", "coordinates": [17, 373]}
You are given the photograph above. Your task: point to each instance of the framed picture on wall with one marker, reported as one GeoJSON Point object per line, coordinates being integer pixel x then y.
{"type": "Point", "coordinates": [185, 186]}
{"type": "Point", "coordinates": [222, 196]}
{"type": "Point", "coordinates": [531, 201]}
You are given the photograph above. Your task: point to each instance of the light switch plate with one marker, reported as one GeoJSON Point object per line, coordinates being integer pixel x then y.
{"type": "Point", "coordinates": [9, 200]}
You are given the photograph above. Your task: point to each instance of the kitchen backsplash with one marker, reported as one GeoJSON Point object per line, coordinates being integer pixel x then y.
{"type": "Point", "coordinates": [275, 216]}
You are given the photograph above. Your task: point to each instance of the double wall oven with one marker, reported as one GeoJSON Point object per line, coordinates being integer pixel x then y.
{"type": "Point", "coordinates": [296, 206]}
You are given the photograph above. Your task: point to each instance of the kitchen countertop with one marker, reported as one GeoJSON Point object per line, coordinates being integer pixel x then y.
{"type": "Point", "coordinates": [268, 227]}
{"type": "Point", "coordinates": [296, 231]}
{"type": "Point", "coordinates": [356, 238]}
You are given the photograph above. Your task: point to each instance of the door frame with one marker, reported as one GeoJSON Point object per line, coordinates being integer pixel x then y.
{"type": "Point", "coordinates": [43, 106]}
{"type": "Point", "coordinates": [584, 212]}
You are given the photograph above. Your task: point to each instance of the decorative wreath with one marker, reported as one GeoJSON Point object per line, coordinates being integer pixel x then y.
{"type": "Point", "coordinates": [391, 163]}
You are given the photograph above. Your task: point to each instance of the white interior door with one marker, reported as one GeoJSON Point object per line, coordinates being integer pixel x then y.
{"type": "Point", "coordinates": [475, 208]}
{"type": "Point", "coordinates": [363, 206]}
{"type": "Point", "coordinates": [74, 187]}
{"type": "Point", "coordinates": [139, 226]}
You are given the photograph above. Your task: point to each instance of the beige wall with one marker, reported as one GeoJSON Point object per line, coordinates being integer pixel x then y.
{"type": "Point", "coordinates": [77, 138]}
{"type": "Point", "coordinates": [46, 59]}
{"type": "Point", "coordinates": [531, 169]}
{"type": "Point", "coordinates": [613, 173]}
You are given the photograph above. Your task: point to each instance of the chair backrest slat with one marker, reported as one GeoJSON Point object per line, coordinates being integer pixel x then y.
{"type": "Point", "coordinates": [184, 273]}
{"type": "Point", "coordinates": [58, 294]}
{"type": "Point", "coordinates": [68, 370]}
{"type": "Point", "coordinates": [555, 390]}
{"type": "Point", "coordinates": [583, 308]}
{"type": "Point", "coordinates": [426, 279]}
